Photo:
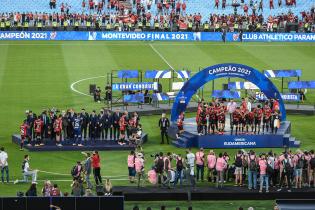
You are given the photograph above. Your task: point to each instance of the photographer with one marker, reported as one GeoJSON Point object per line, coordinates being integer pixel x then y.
{"type": "Point", "coordinates": [200, 159]}
{"type": "Point", "coordinates": [179, 170]}
{"type": "Point", "coordinates": [159, 167]}
{"type": "Point", "coordinates": [168, 170]}
{"type": "Point", "coordinates": [190, 158]}
{"type": "Point", "coordinates": [139, 166]}
{"type": "Point", "coordinates": [26, 171]}
{"type": "Point", "coordinates": [88, 169]}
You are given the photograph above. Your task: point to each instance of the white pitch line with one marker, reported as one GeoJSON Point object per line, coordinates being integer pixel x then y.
{"type": "Point", "coordinates": [81, 80]}
{"type": "Point", "coordinates": [161, 56]}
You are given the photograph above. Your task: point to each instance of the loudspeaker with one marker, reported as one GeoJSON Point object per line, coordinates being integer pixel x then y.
{"type": "Point", "coordinates": [225, 86]}
{"type": "Point", "coordinates": [160, 89]}
{"type": "Point", "coordinates": [90, 203]}
{"type": "Point", "coordinates": [92, 88]}
{"type": "Point", "coordinates": [42, 203]}
{"type": "Point", "coordinates": [65, 203]}
{"type": "Point", "coordinates": [14, 203]}
{"type": "Point", "coordinates": [112, 202]}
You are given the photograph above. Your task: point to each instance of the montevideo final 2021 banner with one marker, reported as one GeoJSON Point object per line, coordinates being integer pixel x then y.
{"type": "Point", "coordinates": [156, 36]}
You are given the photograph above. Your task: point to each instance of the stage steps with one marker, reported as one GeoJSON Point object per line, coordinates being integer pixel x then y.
{"type": "Point", "coordinates": [185, 140]}
{"type": "Point", "coordinates": [190, 139]}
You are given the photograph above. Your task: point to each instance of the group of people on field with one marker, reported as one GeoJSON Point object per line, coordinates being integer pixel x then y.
{"type": "Point", "coordinates": [80, 127]}
{"type": "Point", "coordinates": [287, 169]}
{"type": "Point", "coordinates": [244, 119]}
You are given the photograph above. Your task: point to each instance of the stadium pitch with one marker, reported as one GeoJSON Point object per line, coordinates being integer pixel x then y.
{"type": "Point", "coordinates": [37, 75]}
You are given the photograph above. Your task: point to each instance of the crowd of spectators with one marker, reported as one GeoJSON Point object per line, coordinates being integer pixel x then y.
{"type": "Point", "coordinates": [170, 15]}
{"type": "Point", "coordinates": [261, 172]}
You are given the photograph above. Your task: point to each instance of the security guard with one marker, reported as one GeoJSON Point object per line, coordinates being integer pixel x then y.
{"type": "Point", "coordinates": [275, 27]}
{"type": "Point", "coordinates": [7, 24]}
{"type": "Point", "coordinates": [235, 27]}
{"type": "Point", "coordinates": [108, 26]}
{"type": "Point", "coordinates": [140, 25]}
{"type": "Point", "coordinates": [217, 27]}
{"type": "Point", "coordinates": [307, 27]}
{"type": "Point", "coordinates": [190, 25]}
{"type": "Point", "coordinates": [88, 24]}
{"type": "Point", "coordinates": [129, 25]}
{"type": "Point", "coordinates": [76, 25]}
{"type": "Point", "coordinates": [65, 24]}
{"type": "Point", "coordinates": [54, 24]}
{"type": "Point", "coordinates": [258, 26]}
{"type": "Point", "coordinates": [2, 25]}
{"type": "Point", "coordinates": [39, 25]}
{"type": "Point", "coordinates": [206, 26]}
{"type": "Point", "coordinates": [26, 25]}
{"type": "Point", "coordinates": [148, 25]}
{"type": "Point", "coordinates": [156, 25]}
{"type": "Point", "coordinates": [165, 25]}
{"type": "Point", "coordinates": [116, 25]}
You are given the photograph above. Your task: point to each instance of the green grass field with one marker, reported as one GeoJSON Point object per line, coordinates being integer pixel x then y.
{"type": "Point", "coordinates": [38, 75]}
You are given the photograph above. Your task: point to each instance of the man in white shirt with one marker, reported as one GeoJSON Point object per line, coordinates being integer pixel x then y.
{"type": "Point", "coordinates": [27, 171]}
{"type": "Point", "coordinates": [4, 165]}
{"type": "Point", "coordinates": [231, 106]}
{"type": "Point", "coordinates": [190, 157]}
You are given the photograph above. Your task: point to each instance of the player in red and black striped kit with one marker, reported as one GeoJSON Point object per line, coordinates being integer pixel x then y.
{"type": "Point", "coordinates": [38, 129]}
{"type": "Point", "coordinates": [221, 119]}
{"type": "Point", "coordinates": [23, 131]}
{"type": "Point", "coordinates": [267, 117]}
{"type": "Point", "coordinates": [212, 118]}
{"type": "Point", "coordinates": [122, 128]}
{"type": "Point", "coordinates": [250, 120]}
{"type": "Point", "coordinates": [242, 123]}
{"type": "Point", "coordinates": [258, 112]}
{"type": "Point", "coordinates": [236, 120]}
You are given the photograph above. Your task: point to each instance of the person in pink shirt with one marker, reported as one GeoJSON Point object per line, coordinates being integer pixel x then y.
{"type": "Point", "coordinates": [263, 173]}
{"type": "Point", "coordinates": [220, 167]}
{"type": "Point", "coordinates": [131, 166]}
{"type": "Point", "coordinates": [306, 169]}
{"type": "Point", "coordinates": [200, 159]}
{"type": "Point", "coordinates": [298, 164]}
{"type": "Point", "coordinates": [276, 170]}
{"type": "Point", "coordinates": [226, 157]}
{"type": "Point", "coordinates": [139, 167]}
{"type": "Point", "coordinates": [281, 158]}
{"type": "Point", "coordinates": [312, 168]}
{"type": "Point", "coordinates": [211, 161]}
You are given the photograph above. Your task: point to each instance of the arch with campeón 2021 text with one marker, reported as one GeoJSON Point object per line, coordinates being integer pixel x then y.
{"type": "Point", "coordinates": [227, 70]}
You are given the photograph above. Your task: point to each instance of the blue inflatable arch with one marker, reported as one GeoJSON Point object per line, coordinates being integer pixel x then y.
{"type": "Point", "coordinates": [228, 70]}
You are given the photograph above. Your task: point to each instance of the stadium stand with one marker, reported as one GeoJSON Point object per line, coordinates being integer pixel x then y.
{"type": "Point", "coordinates": [174, 15]}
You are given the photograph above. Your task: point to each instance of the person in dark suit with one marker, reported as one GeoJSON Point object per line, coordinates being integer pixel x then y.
{"type": "Point", "coordinates": [115, 119]}
{"type": "Point", "coordinates": [85, 121]}
{"type": "Point", "coordinates": [164, 123]}
{"type": "Point", "coordinates": [101, 119]}
{"type": "Point", "coordinates": [93, 125]}
{"type": "Point", "coordinates": [45, 120]}
{"type": "Point", "coordinates": [108, 124]}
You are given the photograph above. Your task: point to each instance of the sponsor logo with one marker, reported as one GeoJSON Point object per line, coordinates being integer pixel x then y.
{"type": "Point", "coordinates": [235, 37]}
{"type": "Point", "coordinates": [53, 35]}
